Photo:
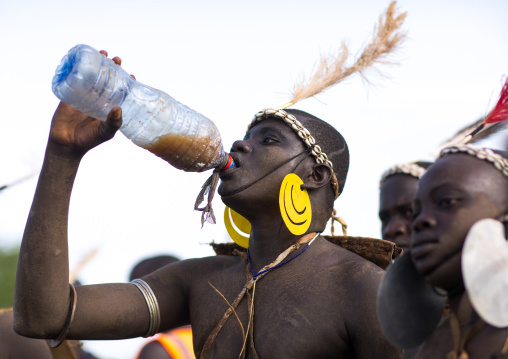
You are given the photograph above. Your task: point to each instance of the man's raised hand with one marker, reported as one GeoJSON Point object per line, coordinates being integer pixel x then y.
{"type": "Point", "coordinates": [79, 133]}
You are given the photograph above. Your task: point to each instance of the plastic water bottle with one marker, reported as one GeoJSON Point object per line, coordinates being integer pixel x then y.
{"type": "Point", "coordinates": [94, 84]}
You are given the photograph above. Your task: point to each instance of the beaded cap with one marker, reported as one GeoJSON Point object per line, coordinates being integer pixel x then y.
{"type": "Point", "coordinates": [484, 154]}
{"type": "Point", "coordinates": [410, 169]}
{"type": "Point", "coordinates": [304, 135]}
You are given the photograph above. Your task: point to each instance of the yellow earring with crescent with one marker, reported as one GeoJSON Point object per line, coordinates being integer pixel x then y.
{"type": "Point", "coordinates": [238, 227]}
{"type": "Point", "coordinates": [294, 204]}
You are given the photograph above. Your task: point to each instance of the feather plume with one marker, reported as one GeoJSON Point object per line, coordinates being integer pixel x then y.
{"type": "Point", "coordinates": [489, 131]}
{"type": "Point", "coordinates": [500, 111]}
{"type": "Point", "coordinates": [332, 70]}
{"type": "Point", "coordinates": [498, 114]}
{"type": "Point", "coordinates": [460, 135]}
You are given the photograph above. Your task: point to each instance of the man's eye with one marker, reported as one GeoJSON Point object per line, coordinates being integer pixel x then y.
{"type": "Point", "coordinates": [269, 140]}
{"type": "Point", "coordinates": [447, 202]}
{"type": "Point", "coordinates": [408, 213]}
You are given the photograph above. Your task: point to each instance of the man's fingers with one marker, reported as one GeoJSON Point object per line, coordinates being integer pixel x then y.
{"type": "Point", "coordinates": [134, 77]}
{"type": "Point", "coordinates": [115, 59]}
{"type": "Point", "coordinates": [115, 115]}
{"type": "Point", "coordinates": [113, 122]}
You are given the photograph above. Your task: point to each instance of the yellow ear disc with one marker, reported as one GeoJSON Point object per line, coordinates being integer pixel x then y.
{"type": "Point", "coordinates": [238, 227]}
{"type": "Point", "coordinates": [294, 205]}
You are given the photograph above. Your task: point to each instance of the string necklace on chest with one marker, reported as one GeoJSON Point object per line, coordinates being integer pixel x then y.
{"type": "Point", "coordinates": [271, 266]}
{"type": "Point", "coordinates": [279, 261]}
{"type": "Point", "coordinates": [250, 283]}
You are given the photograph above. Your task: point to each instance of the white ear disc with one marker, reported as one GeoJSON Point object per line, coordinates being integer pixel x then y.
{"type": "Point", "coordinates": [485, 271]}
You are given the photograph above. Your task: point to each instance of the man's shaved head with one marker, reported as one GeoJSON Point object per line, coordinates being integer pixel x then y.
{"type": "Point", "coordinates": [331, 142]}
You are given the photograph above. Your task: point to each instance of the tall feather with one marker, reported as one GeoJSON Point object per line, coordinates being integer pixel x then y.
{"type": "Point", "coordinates": [489, 131]}
{"type": "Point", "coordinates": [498, 114]}
{"type": "Point", "coordinates": [460, 135]}
{"type": "Point", "coordinates": [332, 70]}
{"type": "Point", "coordinates": [500, 111]}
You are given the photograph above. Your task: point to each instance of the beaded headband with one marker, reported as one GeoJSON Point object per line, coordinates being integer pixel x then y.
{"type": "Point", "coordinates": [304, 135]}
{"type": "Point", "coordinates": [410, 169]}
{"type": "Point", "coordinates": [484, 154]}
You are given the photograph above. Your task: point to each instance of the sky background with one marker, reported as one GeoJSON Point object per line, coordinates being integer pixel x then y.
{"type": "Point", "coordinates": [227, 60]}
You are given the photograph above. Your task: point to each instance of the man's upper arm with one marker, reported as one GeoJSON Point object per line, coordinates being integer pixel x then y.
{"type": "Point", "coordinates": [120, 311]}
{"type": "Point", "coordinates": [172, 286]}
{"type": "Point", "coordinates": [109, 311]}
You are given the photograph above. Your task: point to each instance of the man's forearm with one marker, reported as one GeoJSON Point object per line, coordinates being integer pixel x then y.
{"type": "Point", "coordinates": [41, 298]}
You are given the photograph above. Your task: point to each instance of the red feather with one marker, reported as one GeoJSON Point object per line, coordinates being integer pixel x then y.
{"type": "Point", "coordinates": [500, 112]}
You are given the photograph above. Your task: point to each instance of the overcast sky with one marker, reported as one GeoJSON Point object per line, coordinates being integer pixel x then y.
{"type": "Point", "coordinates": [227, 60]}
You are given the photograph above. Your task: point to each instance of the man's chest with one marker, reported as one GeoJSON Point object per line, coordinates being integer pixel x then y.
{"type": "Point", "coordinates": [287, 316]}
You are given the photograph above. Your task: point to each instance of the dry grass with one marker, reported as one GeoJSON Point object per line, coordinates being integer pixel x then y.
{"type": "Point", "coordinates": [332, 69]}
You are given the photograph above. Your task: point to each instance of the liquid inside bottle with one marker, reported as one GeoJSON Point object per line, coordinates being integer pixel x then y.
{"type": "Point", "coordinates": [94, 84]}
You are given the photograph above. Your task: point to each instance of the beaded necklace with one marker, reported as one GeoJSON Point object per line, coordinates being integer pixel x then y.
{"type": "Point", "coordinates": [263, 271]}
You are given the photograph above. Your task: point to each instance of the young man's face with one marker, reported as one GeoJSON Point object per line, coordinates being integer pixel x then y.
{"type": "Point", "coordinates": [264, 148]}
{"type": "Point", "coordinates": [457, 191]}
{"type": "Point", "coordinates": [396, 209]}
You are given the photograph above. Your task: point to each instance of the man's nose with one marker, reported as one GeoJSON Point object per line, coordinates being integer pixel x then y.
{"type": "Point", "coordinates": [241, 146]}
{"type": "Point", "coordinates": [395, 228]}
{"type": "Point", "coordinates": [423, 221]}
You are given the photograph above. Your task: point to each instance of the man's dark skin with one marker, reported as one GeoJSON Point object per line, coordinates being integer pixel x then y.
{"type": "Point", "coordinates": [154, 349]}
{"type": "Point", "coordinates": [457, 191]}
{"type": "Point", "coordinates": [320, 305]}
{"type": "Point", "coordinates": [396, 209]}
{"type": "Point", "coordinates": [13, 345]}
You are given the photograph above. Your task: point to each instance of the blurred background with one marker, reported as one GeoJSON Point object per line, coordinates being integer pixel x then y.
{"type": "Point", "coordinates": [227, 60]}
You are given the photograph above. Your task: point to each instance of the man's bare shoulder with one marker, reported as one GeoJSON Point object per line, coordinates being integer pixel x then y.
{"type": "Point", "coordinates": [188, 271]}
{"type": "Point", "coordinates": [355, 279]}
{"type": "Point", "coordinates": [346, 261]}
{"type": "Point", "coordinates": [218, 261]}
